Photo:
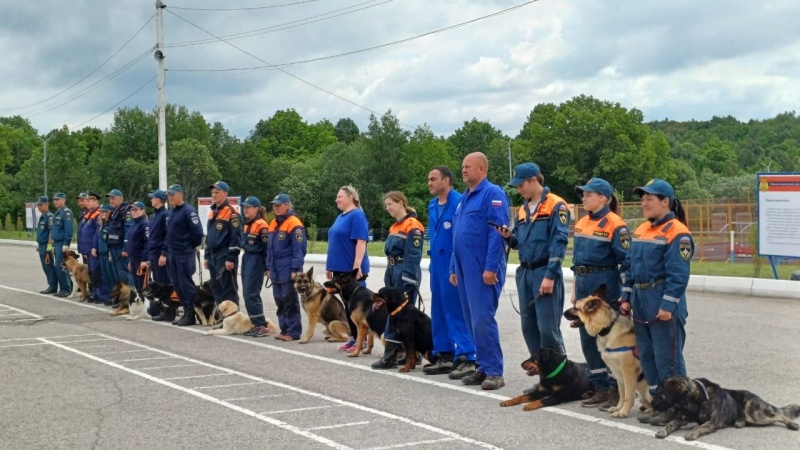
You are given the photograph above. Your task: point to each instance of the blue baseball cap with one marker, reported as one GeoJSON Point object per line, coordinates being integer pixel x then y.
{"type": "Point", "coordinates": [106, 208]}
{"type": "Point", "coordinates": [42, 200]}
{"type": "Point", "coordinates": [252, 201]}
{"type": "Point", "coordinates": [82, 195]}
{"type": "Point", "coordinates": [598, 185]}
{"type": "Point", "coordinates": [159, 194]}
{"type": "Point", "coordinates": [174, 188]}
{"type": "Point", "coordinates": [280, 199]}
{"type": "Point", "coordinates": [137, 205]}
{"type": "Point", "coordinates": [656, 186]}
{"type": "Point", "coordinates": [114, 193]}
{"type": "Point", "coordinates": [522, 172]}
{"type": "Point", "coordinates": [220, 185]}
{"type": "Point", "coordinates": [59, 195]}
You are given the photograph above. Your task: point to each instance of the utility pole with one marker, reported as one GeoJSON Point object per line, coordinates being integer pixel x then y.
{"type": "Point", "coordinates": [510, 176]}
{"type": "Point", "coordinates": [162, 122]}
{"type": "Point", "coordinates": [44, 160]}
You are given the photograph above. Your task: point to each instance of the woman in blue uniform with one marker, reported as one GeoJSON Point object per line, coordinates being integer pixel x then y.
{"type": "Point", "coordinates": [403, 250]}
{"type": "Point", "coordinates": [654, 290]}
{"type": "Point", "coordinates": [136, 244]}
{"type": "Point", "coordinates": [255, 239]}
{"type": "Point", "coordinates": [601, 242]}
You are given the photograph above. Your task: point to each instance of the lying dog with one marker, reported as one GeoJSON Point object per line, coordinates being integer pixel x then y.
{"type": "Point", "coordinates": [323, 307]}
{"type": "Point", "coordinates": [412, 325]}
{"type": "Point", "coordinates": [121, 294]}
{"type": "Point", "coordinates": [560, 381]}
{"type": "Point", "coordinates": [616, 342]}
{"type": "Point", "coordinates": [205, 308]}
{"type": "Point", "coordinates": [370, 322]}
{"type": "Point", "coordinates": [233, 321]}
{"type": "Point", "coordinates": [714, 408]}
{"type": "Point", "coordinates": [79, 273]}
{"type": "Point", "coordinates": [138, 307]}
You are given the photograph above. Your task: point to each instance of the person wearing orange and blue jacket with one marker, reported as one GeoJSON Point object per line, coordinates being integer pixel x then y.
{"type": "Point", "coordinates": [285, 256]}
{"type": "Point", "coordinates": [601, 242]}
{"type": "Point", "coordinates": [655, 284]}
{"type": "Point", "coordinates": [222, 244]}
{"type": "Point", "coordinates": [403, 249]}
{"type": "Point", "coordinates": [255, 239]}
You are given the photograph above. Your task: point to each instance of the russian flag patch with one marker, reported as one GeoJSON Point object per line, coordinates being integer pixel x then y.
{"type": "Point", "coordinates": [497, 203]}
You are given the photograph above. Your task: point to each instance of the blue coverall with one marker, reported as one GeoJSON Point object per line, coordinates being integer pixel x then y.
{"type": "Point", "coordinates": [117, 229]}
{"type": "Point", "coordinates": [184, 234]}
{"type": "Point", "coordinates": [79, 235]}
{"type": "Point", "coordinates": [61, 234]}
{"type": "Point", "coordinates": [106, 267]}
{"type": "Point", "coordinates": [541, 234]}
{"type": "Point", "coordinates": [255, 239]}
{"type": "Point", "coordinates": [157, 243]}
{"type": "Point", "coordinates": [658, 272]}
{"type": "Point", "coordinates": [450, 332]}
{"type": "Point", "coordinates": [285, 254]}
{"type": "Point", "coordinates": [46, 256]}
{"type": "Point", "coordinates": [87, 233]}
{"type": "Point", "coordinates": [403, 249]}
{"type": "Point", "coordinates": [599, 255]}
{"type": "Point", "coordinates": [136, 248]}
{"type": "Point", "coordinates": [222, 245]}
{"type": "Point", "coordinates": [478, 247]}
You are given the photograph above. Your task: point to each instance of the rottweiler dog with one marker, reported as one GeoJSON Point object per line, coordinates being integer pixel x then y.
{"type": "Point", "coordinates": [412, 325]}
{"type": "Point", "coordinates": [369, 321]}
{"type": "Point", "coordinates": [713, 408]}
{"type": "Point", "coordinates": [560, 381]}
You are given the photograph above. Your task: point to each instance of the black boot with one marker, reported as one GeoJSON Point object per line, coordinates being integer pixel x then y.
{"type": "Point", "coordinates": [186, 320]}
{"type": "Point", "coordinates": [167, 313]}
{"type": "Point", "coordinates": [389, 359]}
{"type": "Point", "coordinates": [155, 309]}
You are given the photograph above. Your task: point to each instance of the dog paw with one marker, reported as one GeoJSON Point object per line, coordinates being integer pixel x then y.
{"type": "Point", "coordinates": [353, 355]}
{"type": "Point", "coordinates": [791, 425]}
{"type": "Point", "coordinates": [741, 424]}
{"type": "Point", "coordinates": [404, 370]}
{"type": "Point", "coordinates": [613, 409]}
{"type": "Point", "coordinates": [620, 414]}
{"type": "Point", "coordinates": [661, 434]}
{"type": "Point", "coordinates": [367, 352]}
{"type": "Point", "coordinates": [690, 436]}
{"type": "Point", "coordinates": [304, 340]}
{"type": "Point", "coordinates": [505, 403]}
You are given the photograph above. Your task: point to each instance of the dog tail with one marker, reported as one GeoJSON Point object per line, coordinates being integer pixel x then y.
{"type": "Point", "coordinates": [792, 411]}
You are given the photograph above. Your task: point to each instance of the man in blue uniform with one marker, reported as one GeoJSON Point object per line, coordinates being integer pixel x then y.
{"type": "Point", "coordinates": [478, 269]}
{"type": "Point", "coordinates": [222, 244]}
{"type": "Point", "coordinates": [184, 235]}
{"type": "Point", "coordinates": [61, 235]}
{"type": "Point", "coordinates": [45, 246]}
{"type": "Point", "coordinates": [81, 218]}
{"type": "Point", "coordinates": [100, 252]}
{"type": "Point", "coordinates": [156, 240]}
{"type": "Point", "coordinates": [86, 234]}
{"type": "Point", "coordinates": [136, 244]}
{"type": "Point", "coordinates": [451, 338]}
{"type": "Point", "coordinates": [117, 230]}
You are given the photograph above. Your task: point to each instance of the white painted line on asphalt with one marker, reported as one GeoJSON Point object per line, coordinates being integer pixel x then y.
{"type": "Point", "coordinates": [342, 425]}
{"type": "Point", "coordinates": [144, 359]}
{"type": "Point", "coordinates": [21, 345]}
{"type": "Point", "coordinates": [216, 386]}
{"type": "Point", "coordinates": [49, 337]}
{"type": "Point", "coordinates": [297, 409]}
{"type": "Point", "coordinates": [22, 311]}
{"type": "Point", "coordinates": [199, 376]}
{"type": "Point", "coordinates": [12, 314]}
{"type": "Point", "coordinates": [411, 444]}
{"type": "Point", "coordinates": [117, 352]}
{"type": "Point", "coordinates": [165, 367]}
{"type": "Point", "coordinates": [83, 340]}
{"type": "Point", "coordinates": [94, 346]}
{"type": "Point", "coordinates": [258, 397]}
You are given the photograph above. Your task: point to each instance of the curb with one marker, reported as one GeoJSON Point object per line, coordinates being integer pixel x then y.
{"type": "Point", "coordinates": [751, 287]}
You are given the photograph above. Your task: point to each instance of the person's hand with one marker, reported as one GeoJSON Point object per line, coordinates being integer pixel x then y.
{"type": "Point", "coordinates": [572, 300]}
{"type": "Point", "coordinates": [266, 274]}
{"type": "Point", "coordinates": [162, 261]}
{"type": "Point", "coordinates": [624, 307]}
{"type": "Point", "coordinates": [294, 274]}
{"type": "Point", "coordinates": [124, 254]}
{"type": "Point", "coordinates": [328, 274]}
{"type": "Point", "coordinates": [64, 248]}
{"type": "Point", "coordinates": [94, 252]}
{"type": "Point", "coordinates": [229, 265]}
{"type": "Point", "coordinates": [490, 278]}
{"type": "Point", "coordinates": [504, 231]}
{"type": "Point", "coordinates": [359, 275]}
{"type": "Point", "coordinates": [205, 264]}
{"type": "Point", "coordinates": [453, 279]}
{"type": "Point", "coordinates": [547, 286]}
{"type": "Point", "coordinates": [130, 269]}
{"type": "Point", "coordinates": [110, 259]}
{"type": "Point", "coordinates": [664, 315]}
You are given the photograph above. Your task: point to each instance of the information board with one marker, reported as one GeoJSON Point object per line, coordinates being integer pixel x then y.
{"type": "Point", "coordinates": [779, 214]}
{"type": "Point", "coordinates": [32, 216]}
{"type": "Point", "coordinates": [204, 209]}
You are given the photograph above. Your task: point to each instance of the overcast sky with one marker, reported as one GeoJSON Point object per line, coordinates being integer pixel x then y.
{"type": "Point", "coordinates": [678, 59]}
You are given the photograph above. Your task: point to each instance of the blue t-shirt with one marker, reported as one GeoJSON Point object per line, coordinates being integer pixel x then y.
{"type": "Point", "coordinates": [342, 237]}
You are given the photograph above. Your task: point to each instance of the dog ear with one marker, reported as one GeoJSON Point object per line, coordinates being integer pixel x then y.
{"type": "Point", "coordinates": [600, 292]}
{"type": "Point", "coordinates": [310, 273]}
{"type": "Point", "coordinates": [592, 305]}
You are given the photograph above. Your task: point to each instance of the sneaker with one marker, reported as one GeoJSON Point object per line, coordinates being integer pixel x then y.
{"type": "Point", "coordinates": [462, 367]}
{"type": "Point", "coordinates": [613, 399]}
{"type": "Point", "coordinates": [599, 398]}
{"type": "Point", "coordinates": [257, 331]}
{"type": "Point", "coordinates": [441, 366]}
{"type": "Point", "coordinates": [474, 379]}
{"type": "Point", "coordinates": [492, 383]}
{"type": "Point", "coordinates": [347, 345]}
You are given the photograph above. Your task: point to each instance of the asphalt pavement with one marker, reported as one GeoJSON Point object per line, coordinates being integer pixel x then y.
{"type": "Point", "coordinates": [75, 377]}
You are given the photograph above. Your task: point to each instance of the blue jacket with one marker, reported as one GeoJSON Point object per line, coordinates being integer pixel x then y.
{"type": "Point", "coordinates": [43, 228]}
{"type": "Point", "coordinates": [224, 232]}
{"type": "Point", "coordinates": [136, 244]}
{"type": "Point", "coordinates": [119, 223]}
{"type": "Point", "coordinates": [184, 230]}
{"type": "Point", "coordinates": [403, 249]}
{"type": "Point", "coordinates": [61, 233]}
{"type": "Point", "coordinates": [601, 239]}
{"type": "Point", "coordinates": [86, 231]}
{"type": "Point", "coordinates": [78, 235]}
{"type": "Point", "coordinates": [440, 229]}
{"type": "Point", "coordinates": [472, 232]}
{"type": "Point", "coordinates": [157, 236]}
{"type": "Point", "coordinates": [541, 234]}
{"type": "Point", "coordinates": [100, 239]}
{"type": "Point", "coordinates": [287, 247]}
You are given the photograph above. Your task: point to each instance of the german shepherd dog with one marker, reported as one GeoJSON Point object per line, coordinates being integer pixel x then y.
{"type": "Point", "coordinates": [79, 273]}
{"type": "Point", "coordinates": [560, 381]}
{"type": "Point", "coordinates": [713, 408]}
{"type": "Point", "coordinates": [369, 321]}
{"type": "Point", "coordinates": [323, 307]}
{"type": "Point", "coordinates": [412, 325]}
{"type": "Point", "coordinates": [616, 343]}
{"type": "Point", "coordinates": [122, 294]}
{"type": "Point", "coordinates": [205, 308]}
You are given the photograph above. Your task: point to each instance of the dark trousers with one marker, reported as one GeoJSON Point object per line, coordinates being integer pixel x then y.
{"type": "Point", "coordinates": [288, 309]}
{"type": "Point", "coordinates": [99, 290]}
{"type": "Point", "coordinates": [64, 282]}
{"type": "Point", "coordinates": [49, 268]}
{"type": "Point", "coordinates": [253, 268]}
{"type": "Point", "coordinates": [138, 280]}
{"type": "Point", "coordinates": [159, 273]}
{"type": "Point", "coordinates": [181, 270]}
{"type": "Point", "coordinates": [222, 281]}
{"type": "Point", "coordinates": [120, 266]}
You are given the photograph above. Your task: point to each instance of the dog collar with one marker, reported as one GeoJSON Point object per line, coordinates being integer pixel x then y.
{"type": "Point", "coordinates": [399, 308]}
{"type": "Point", "coordinates": [225, 317]}
{"type": "Point", "coordinates": [703, 387]}
{"type": "Point", "coordinates": [607, 329]}
{"type": "Point", "coordinates": [558, 369]}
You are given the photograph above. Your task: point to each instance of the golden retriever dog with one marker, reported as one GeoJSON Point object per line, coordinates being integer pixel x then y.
{"type": "Point", "coordinates": [616, 342]}
{"type": "Point", "coordinates": [79, 273]}
{"type": "Point", "coordinates": [235, 321]}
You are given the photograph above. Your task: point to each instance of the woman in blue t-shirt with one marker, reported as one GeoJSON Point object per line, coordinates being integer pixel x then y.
{"type": "Point", "coordinates": [347, 244]}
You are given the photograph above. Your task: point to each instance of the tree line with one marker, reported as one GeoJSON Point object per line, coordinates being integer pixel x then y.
{"type": "Point", "coordinates": [571, 141]}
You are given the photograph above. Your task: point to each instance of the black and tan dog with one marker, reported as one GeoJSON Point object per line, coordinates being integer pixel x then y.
{"type": "Point", "coordinates": [79, 273]}
{"type": "Point", "coordinates": [370, 322]}
{"type": "Point", "coordinates": [321, 306]}
{"type": "Point", "coordinates": [616, 343]}
{"type": "Point", "coordinates": [560, 381]}
{"type": "Point", "coordinates": [412, 325]}
{"type": "Point", "coordinates": [162, 293]}
{"type": "Point", "coordinates": [205, 308]}
{"type": "Point", "coordinates": [121, 295]}
{"type": "Point", "coordinates": [713, 408]}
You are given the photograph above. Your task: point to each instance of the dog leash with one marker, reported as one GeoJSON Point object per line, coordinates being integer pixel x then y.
{"type": "Point", "coordinates": [674, 334]}
{"type": "Point", "coordinates": [199, 266]}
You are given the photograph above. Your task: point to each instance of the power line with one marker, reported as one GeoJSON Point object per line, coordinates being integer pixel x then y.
{"type": "Point", "coordinates": [87, 75]}
{"type": "Point", "coordinates": [116, 104]}
{"type": "Point", "coordinates": [244, 9]}
{"type": "Point", "coordinates": [285, 25]}
{"type": "Point", "coordinates": [339, 55]}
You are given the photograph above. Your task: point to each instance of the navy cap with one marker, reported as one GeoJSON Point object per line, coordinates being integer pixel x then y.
{"type": "Point", "coordinates": [137, 205]}
{"type": "Point", "coordinates": [159, 194]}
{"type": "Point", "coordinates": [522, 172]}
{"type": "Point", "coordinates": [42, 200]}
{"type": "Point", "coordinates": [656, 186]}
{"type": "Point", "coordinates": [252, 201]}
{"type": "Point", "coordinates": [81, 196]}
{"type": "Point", "coordinates": [59, 195]}
{"type": "Point", "coordinates": [220, 185]}
{"type": "Point", "coordinates": [280, 199]}
{"type": "Point", "coordinates": [174, 188]}
{"type": "Point", "coordinates": [106, 208]}
{"type": "Point", "coordinates": [92, 194]}
{"type": "Point", "coordinates": [598, 185]}
{"type": "Point", "coordinates": [114, 193]}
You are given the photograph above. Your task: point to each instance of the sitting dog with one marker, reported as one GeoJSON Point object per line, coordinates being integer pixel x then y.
{"type": "Point", "coordinates": [412, 325]}
{"type": "Point", "coordinates": [138, 307]}
{"type": "Point", "coordinates": [233, 321]}
{"type": "Point", "coordinates": [560, 381]}
{"type": "Point", "coordinates": [79, 273]}
{"type": "Point", "coordinates": [161, 293]}
{"type": "Point", "coordinates": [616, 342]}
{"type": "Point", "coordinates": [370, 322]}
{"type": "Point", "coordinates": [323, 307]}
{"type": "Point", "coordinates": [205, 308]}
{"type": "Point", "coordinates": [713, 408]}
{"type": "Point", "coordinates": [122, 294]}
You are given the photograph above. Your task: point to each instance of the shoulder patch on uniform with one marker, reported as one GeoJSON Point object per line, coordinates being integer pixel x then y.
{"type": "Point", "coordinates": [563, 216]}
{"type": "Point", "coordinates": [235, 221]}
{"type": "Point", "coordinates": [128, 217]}
{"type": "Point", "coordinates": [685, 248]}
{"type": "Point", "coordinates": [417, 240]}
{"type": "Point", "coordinates": [195, 219]}
{"type": "Point", "coordinates": [625, 238]}
{"type": "Point", "coordinates": [298, 235]}
{"type": "Point", "coordinates": [68, 215]}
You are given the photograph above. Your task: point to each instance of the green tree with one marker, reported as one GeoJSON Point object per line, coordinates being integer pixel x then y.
{"type": "Point", "coordinates": [473, 136]}
{"type": "Point", "coordinates": [346, 130]}
{"type": "Point", "coordinates": [190, 165]}
{"type": "Point", "coordinates": [423, 151]}
{"type": "Point", "coordinates": [286, 134]}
